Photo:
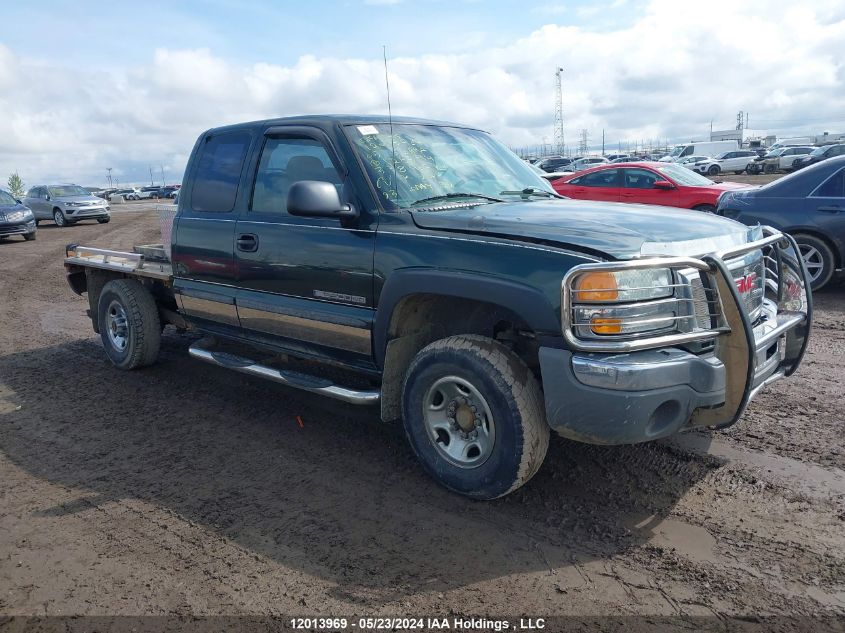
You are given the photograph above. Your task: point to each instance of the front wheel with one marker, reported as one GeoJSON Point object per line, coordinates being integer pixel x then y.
{"type": "Point", "coordinates": [713, 170]}
{"type": "Point", "coordinates": [129, 324]}
{"type": "Point", "coordinates": [103, 220]}
{"type": "Point", "coordinates": [474, 416]}
{"type": "Point", "coordinates": [29, 236]}
{"type": "Point", "coordinates": [59, 218]}
{"type": "Point", "coordinates": [818, 259]}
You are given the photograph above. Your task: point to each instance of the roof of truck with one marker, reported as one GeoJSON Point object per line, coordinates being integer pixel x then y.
{"type": "Point", "coordinates": [329, 120]}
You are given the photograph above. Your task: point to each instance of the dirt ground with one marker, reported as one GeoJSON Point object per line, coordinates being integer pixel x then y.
{"type": "Point", "coordinates": [187, 489]}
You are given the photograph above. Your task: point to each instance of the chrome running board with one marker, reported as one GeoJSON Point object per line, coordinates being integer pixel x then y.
{"type": "Point", "coordinates": [285, 377]}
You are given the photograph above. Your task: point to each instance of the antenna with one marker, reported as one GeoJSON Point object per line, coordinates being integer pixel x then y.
{"type": "Point", "coordinates": [390, 120]}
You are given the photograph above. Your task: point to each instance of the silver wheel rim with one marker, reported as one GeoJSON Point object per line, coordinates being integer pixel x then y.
{"type": "Point", "coordinates": [813, 260]}
{"type": "Point", "coordinates": [458, 422]}
{"type": "Point", "coordinates": [59, 218]}
{"type": "Point", "coordinates": [117, 326]}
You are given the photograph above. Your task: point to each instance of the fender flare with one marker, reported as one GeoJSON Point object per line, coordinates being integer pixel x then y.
{"type": "Point", "coordinates": [530, 304]}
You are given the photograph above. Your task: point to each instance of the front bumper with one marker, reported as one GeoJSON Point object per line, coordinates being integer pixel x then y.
{"type": "Point", "coordinates": [23, 227]}
{"type": "Point", "coordinates": [639, 395]}
{"type": "Point", "coordinates": [90, 213]}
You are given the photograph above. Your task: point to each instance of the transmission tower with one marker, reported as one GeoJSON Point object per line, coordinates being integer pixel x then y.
{"type": "Point", "coordinates": [740, 120]}
{"type": "Point", "coordinates": [560, 143]}
{"type": "Point", "coordinates": [582, 145]}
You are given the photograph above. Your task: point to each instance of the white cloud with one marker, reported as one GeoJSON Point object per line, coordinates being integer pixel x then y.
{"type": "Point", "coordinates": [666, 74]}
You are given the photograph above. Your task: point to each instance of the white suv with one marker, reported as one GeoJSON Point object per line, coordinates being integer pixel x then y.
{"type": "Point", "coordinates": [735, 160]}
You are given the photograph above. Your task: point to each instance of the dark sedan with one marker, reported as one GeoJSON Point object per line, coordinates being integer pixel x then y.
{"type": "Point", "coordinates": [821, 154]}
{"type": "Point", "coordinates": [809, 204]}
{"type": "Point", "coordinates": [15, 218]}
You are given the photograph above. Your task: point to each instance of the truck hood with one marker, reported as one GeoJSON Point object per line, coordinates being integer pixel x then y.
{"type": "Point", "coordinates": [615, 230]}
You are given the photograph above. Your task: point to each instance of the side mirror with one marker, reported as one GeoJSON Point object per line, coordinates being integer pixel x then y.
{"type": "Point", "coordinates": [47, 197]}
{"type": "Point", "coordinates": [317, 199]}
{"type": "Point", "coordinates": [665, 185]}
{"type": "Point", "coordinates": [18, 201]}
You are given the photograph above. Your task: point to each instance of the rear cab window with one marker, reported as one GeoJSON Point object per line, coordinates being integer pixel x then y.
{"type": "Point", "coordinates": [218, 172]}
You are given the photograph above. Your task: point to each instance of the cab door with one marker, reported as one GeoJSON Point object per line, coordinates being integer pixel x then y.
{"type": "Point", "coordinates": [305, 283]}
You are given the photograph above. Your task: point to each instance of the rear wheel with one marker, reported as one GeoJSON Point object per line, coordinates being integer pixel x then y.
{"type": "Point", "coordinates": [474, 416]}
{"type": "Point", "coordinates": [818, 258]}
{"type": "Point", "coordinates": [129, 324]}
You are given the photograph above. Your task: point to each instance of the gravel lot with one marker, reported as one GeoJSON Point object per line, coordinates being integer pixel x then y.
{"type": "Point", "coordinates": [186, 489]}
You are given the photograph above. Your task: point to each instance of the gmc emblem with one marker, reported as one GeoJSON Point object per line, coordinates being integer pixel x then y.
{"type": "Point", "coordinates": [746, 284]}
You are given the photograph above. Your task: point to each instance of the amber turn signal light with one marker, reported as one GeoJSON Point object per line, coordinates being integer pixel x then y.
{"type": "Point", "coordinates": [597, 286]}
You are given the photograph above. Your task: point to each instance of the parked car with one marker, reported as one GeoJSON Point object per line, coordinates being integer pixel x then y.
{"type": "Point", "coordinates": [665, 184]}
{"type": "Point", "coordinates": [585, 162]}
{"type": "Point", "coordinates": [66, 204]}
{"type": "Point", "coordinates": [689, 161]}
{"type": "Point", "coordinates": [784, 158]}
{"type": "Point", "coordinates": [628, 159]}
{"type": "Point", "coordinates": [145, 193]}
{"type": "Point", "coordinates": [736, 161]}
{"type": "Point", "coordinates": [819, 154]}
{"type": "Point", "coordinates": [15, 218]}
{"type": "Point", "coordinates": [165, 192]}
{"type": "Point", "coordinates": [465, 298]}
{"type": "Point", "coordinates": [550, 165]}
{"type": "Point", "coordinates": [809, 204]}
{"type": "Point", "coordinates": [132, 193]}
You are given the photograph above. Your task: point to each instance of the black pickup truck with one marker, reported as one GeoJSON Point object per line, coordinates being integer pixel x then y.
{"type": "Point", "coordinates": [428, 269]}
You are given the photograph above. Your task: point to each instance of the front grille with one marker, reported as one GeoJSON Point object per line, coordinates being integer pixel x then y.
{"type": "Point", "coordinates": [749, 273]}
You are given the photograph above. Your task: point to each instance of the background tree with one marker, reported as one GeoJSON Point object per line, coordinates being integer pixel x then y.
{"type": "Point", "coordinates": [16, 186]}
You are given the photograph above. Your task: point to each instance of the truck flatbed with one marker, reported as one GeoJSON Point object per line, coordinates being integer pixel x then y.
{"type": "Point", "coordinates": [149, 260]}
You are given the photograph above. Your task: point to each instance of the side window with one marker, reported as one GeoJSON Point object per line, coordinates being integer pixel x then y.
{"type": "Point", "coordinates": [688, 151]}
{"type": "Point", "coordinates": [833, 187]}
{"type": "Point", "coordinates": [219, 172]}
{"type": "Point", "coordinates": [602, 178]}
{"type": "Point", "coordinates": [285, 161]}
{"type": "Point", "coordinates": [41, 192]}
{"type": "Point", "coordinates": [640, 179]}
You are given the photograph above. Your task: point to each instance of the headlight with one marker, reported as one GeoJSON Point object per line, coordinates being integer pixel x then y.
{"type": "Point", "coordinates": [16, 216]}
{"type": "Point", "coordinates": [622, 286]}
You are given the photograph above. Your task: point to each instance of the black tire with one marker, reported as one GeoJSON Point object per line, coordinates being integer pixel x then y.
{"type": "Point", "coordinates": [511, 394]}
{"type": "Point", "coordinates": [126, 307]}
{"type": "Point", "coordinates": [103, 220]}
{"type": "Point", "coordinates": [29, 236]}
{"type": "Point", "coordinates": [769, 169]}
{"type": "Point", "coordinates": [741, 171]}
{"type": "Point", "coordinates": [59, 218]}
{"type": "Point", "coordinates": [713, 170]}
{"type": "Point", "coordinates": [708, 208]}
{"type": "Point", "coordinates": [37, 222]}
{"type": "Point", "coordinates": [822, 260]}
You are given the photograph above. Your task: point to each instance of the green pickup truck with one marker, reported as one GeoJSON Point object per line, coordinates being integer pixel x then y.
{"type": "Point", "coordinates": [427, 269]}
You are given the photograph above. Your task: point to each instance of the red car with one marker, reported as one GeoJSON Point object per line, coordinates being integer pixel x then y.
{"type": "Point", "coordinates": [666, 184]}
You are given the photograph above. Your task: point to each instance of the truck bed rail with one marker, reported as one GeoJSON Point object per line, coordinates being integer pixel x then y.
{"type": "Point", "coordinates": [135, 263]}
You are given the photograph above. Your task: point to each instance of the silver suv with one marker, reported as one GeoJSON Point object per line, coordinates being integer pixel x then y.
{"type": "Point", "coordinates": [66, 204]}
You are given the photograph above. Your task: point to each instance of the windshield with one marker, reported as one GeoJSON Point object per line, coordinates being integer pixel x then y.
{"type": "Point", "coordinates": [721, 156]}
{"type": "Point", "coordinates": [677, 151]}
{"type": "Point", "coordinates": [432, 161]}
{"type": "Point", "coordinates": [5, 198]}
{"type": "Point", "coordinates": [818, 151]}
{"type": "Point", "coordinates": [64, 191]}
{"type": "Point", "coordinates": [776, 153]}
{"type": "Point", "coordinates": [684, 176]}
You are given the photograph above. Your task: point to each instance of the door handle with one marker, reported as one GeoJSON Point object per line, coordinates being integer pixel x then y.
{"type": "Point", "coordinates": [833, 208]}
{"type": "Point", "coordinates": [247, 242]}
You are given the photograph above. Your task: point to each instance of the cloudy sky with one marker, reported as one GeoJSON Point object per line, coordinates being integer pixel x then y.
{"type": "Point", "coordinates": [90, 85]}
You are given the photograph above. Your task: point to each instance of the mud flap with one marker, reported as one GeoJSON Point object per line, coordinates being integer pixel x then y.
{"type": "Point", "coordinates": [734, 348]}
